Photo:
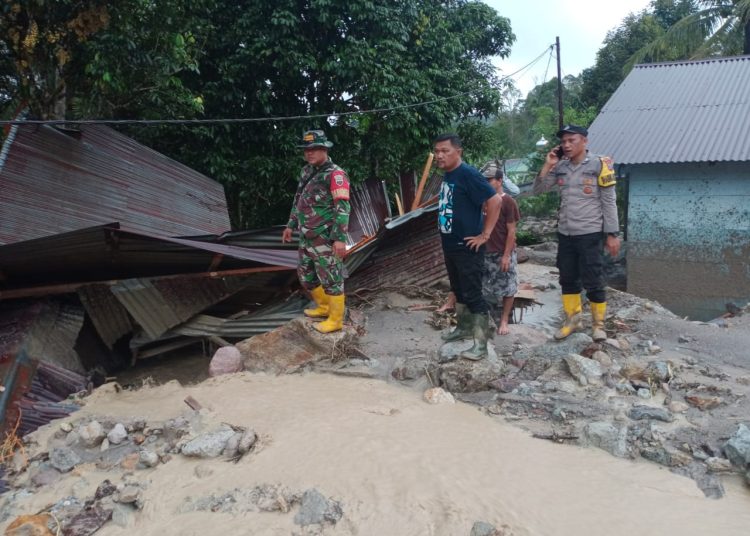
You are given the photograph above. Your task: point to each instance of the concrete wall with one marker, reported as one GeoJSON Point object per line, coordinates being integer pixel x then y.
{"type": "Point", "coordinates": [689, 236]}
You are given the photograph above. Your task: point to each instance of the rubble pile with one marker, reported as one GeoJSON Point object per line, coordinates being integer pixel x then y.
{"type": "Point", "coordinates": [125, 449]}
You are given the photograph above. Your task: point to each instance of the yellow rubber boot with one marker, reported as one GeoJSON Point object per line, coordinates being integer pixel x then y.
{"type": "Point", "coordinates": [598, 313]}
{"type": "Point", "coordinates": [321, 300]}
{"type": "Point", "coordinates": [572, 308]}
{"type": "Point", "coordinates": [335, 319]}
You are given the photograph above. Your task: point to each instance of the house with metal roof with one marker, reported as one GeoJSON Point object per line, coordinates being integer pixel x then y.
{"type": "Point", "coordinates": [679, 134]}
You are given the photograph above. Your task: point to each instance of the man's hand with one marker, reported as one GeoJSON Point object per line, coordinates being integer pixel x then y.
{"type": "Point", "coordinates": [475, 242]}
{"type": "Point", "coordinates": [286, 236]}
{"type": "Point", "coordinates": [612, 245]}
{"type": "Point", "coordinates": [552, 157]}
{"type": "Point", "coordinates": [504, 263]}
{"type": "Point", "coordinates": [339, 249]}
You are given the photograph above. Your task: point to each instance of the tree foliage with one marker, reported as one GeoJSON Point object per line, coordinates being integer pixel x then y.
{"type": "Point", "coordinates": [92, 58]}
{"type": "Point", "coordinates": [712, 28]}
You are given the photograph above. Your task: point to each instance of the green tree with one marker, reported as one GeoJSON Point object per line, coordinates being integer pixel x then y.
{"type": "Point", "coordinates": [715, 28]}
{"type": "Point", "coordinates": [307, 57]}
{"type": "Point", "coordinates": [632, 35]}
{"type": "Point", "coordinates": [92, 58]}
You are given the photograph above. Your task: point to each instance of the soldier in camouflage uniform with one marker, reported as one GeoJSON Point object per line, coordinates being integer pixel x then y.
{"type": "Point", "coordinates": [321, 215]}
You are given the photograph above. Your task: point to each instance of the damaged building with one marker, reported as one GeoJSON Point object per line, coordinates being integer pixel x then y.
{"type": "Point", "coordinates": [112, 253]}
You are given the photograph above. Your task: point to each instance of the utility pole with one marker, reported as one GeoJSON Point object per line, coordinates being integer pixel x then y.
{"type": "Point", "coordinates": [559, 86]}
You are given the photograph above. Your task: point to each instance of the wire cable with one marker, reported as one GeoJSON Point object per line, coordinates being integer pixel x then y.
{"type": "Point", "coordinates": [240, 120]}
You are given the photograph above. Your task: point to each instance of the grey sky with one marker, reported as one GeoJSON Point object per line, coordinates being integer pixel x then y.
{"type": "Point", "coordinates": [581, 24]}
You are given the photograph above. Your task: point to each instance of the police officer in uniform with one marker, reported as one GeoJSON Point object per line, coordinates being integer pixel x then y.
{"type": "Point", "coordinates": [320, 213]}
{"type": "Point", "coordinates": [587, 224]}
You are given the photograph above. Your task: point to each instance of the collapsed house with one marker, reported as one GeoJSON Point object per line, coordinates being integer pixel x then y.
{"type": "Point", "coordinates": [111, 252]}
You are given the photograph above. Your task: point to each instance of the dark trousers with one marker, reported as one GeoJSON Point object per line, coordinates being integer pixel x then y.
{"type": "Point", "coordinates": [465, 269]}
{"type": "Point", "coordinates": [581, 264]}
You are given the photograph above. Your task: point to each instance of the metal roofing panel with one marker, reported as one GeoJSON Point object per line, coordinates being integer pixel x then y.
{"type": "Point", "coordinates": [160, 304]}
{"type": "Point", "coordinates": [55, 182]}
{"type": "Point", "coordinates": [109, 317]}
{"type": "Point", "coordinates": [691, 111]}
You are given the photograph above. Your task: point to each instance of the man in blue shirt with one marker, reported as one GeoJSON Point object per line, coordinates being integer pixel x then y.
{"type": "Point", "coordinates": [465, 196]}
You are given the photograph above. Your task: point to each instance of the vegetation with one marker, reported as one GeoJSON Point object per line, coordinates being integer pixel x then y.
{"type": "Point", "coordinates": [309, 58]}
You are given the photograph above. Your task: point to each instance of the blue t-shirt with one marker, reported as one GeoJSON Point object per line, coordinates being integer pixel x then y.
{"type": "Point", "coordinates": [462, 194]}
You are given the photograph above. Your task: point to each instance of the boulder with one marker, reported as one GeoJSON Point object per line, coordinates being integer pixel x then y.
{"type": "Point", "coordinates": [737, 448]}
{"type": "Point", "coordinates": [292, 346]}
{"type": "Point", "coordinates": [606, 436]}
{"type": "Point", "coordinates": [226, 360]}
{"type": "Point", "coordinates": [586, 371]}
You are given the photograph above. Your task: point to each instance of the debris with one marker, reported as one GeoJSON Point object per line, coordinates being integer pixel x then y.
{"type": "Point", "coordinates": [315, 509]}
{"type": "Point", "coordinates": [737, 448]}
{"type": "Point", "coordinates": [193, 403]}
{"type": "Point", "coordinates": [638, 413]}
{"type": "Point", "coordinates": [703, 403]}
{"type": "Point", "coordinates": [436, 395]}
{"type": "Point", "coordinates": [586, 371]}
{"type": "Point", "coordinates": [30, 525]}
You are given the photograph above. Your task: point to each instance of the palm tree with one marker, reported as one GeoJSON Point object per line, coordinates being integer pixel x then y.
{"type": "Point", "coordinates": [717, 28]}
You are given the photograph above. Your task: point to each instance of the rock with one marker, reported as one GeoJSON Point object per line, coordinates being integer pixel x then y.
{"type": "Point", "coordinates": [63, 459]}
{"type": "Point", "coordinates": [606, 436]}
{"type": "Point", "coordinates": [129, 494]}
{"type": "Point", "coordinates": [91, 434]}
{"type": "Point", "coordinates": [465, 376]}
{"type": "Point", "coordinates": [677, 407]}
{"type": "Point", "coordinates": [123, 515]}
{"type": "Point", "coordinates": [638, 413]}
{"type": "Point", "coordinates": [105, 445]}
{"type": "Point", "coordinates": [66, 427]}
{"type": "Point", "coordinates": [704, 402]}
{"type": "Point", "coordinates": [203, 471]}
{"type": "Point", "coordinates": [482, 528]}
{"type": "Point", "coordinates": [315, 509]}
{"type": "Point", "coordinates": [625, 388]}
{"type": "Point", "coordinates": [226, 360]}
{"type": "Point", "coordinates": [44, 475]}
{"type": "Point", "coordinates": [138, 438]}
{"type": "Point", "coordinates": [659, 371]}
{"type": "Point", "coordinates": [737, 448]}
{"type": "Point", "coordinates": [718, 465]}
{"type": "Point", "coordinates": [292, 346]}
{"type": "Point", "coordinates": [209, 445]}
{"type": "Point", "coordinates": [411, 369]}
{"type": "Point", "coordinates": [602, 358]}
{"type": "Point", "coordinates": [586, 371]}
{"type": "Point", "coordinates": [129, 462]}
{"type": "Point", "coordinates": [230, 449]}
{"type": "Point", "coordinates": [666, 456]}
{"type": "Point", "coordinates": [148, 458]}
{"type": "Point", "coordinates": [644, 393]}
{"type": "Point", "coordinates": [247, 441]}
{"type": "Point", "coordinates": [30, 526]}
{"type": "Point", "coordinates": [117, 434]}
{"type": "Point", "coordinates": [505, 385]}
{"type": "Point", "coordinates": [574, 344]}
{"type": "Point", "coordinates": [436, 395]}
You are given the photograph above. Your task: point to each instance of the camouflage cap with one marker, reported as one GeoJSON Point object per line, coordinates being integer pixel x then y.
{"type": "Point", "coordinates": [315, 138]}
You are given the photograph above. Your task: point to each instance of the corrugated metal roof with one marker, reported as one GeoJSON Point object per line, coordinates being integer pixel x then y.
{"type": "Point", "coordinates": [55, 182]}
{"type": "Point", "coordinates": [691, 111]}
{"type": "Point", "coordinates": [160, 304]}
{"type": "Point", "coordinates": [107, 252]}
{"type": "Point", "coordinates": [109, 317]}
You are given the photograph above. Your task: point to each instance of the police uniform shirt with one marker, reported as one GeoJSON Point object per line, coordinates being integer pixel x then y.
{"type": "Point", "coordinates": [587, 195]}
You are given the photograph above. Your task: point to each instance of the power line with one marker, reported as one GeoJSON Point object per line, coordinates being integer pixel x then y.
{"type": "Point", "coordinates": [240, 120]}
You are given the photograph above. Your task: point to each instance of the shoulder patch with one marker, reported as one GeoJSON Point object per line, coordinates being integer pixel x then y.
{"type": "Point", "coordinates": [339, 185]}
{"type": "Point", "coordinates": [607, 174]}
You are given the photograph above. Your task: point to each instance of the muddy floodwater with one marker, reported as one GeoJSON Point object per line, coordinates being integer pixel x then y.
{"type": "Point", "coordinates": [399, 466]}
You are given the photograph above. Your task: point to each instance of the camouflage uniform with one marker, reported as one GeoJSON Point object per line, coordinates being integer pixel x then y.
{"type": "Point", "coordinates": [321, 214]}
{"type": "Point", "coordinates": [497, 284]}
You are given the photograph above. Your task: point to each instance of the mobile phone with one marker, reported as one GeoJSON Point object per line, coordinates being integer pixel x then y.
{"type": "Point", "coordinates": [559, 152]}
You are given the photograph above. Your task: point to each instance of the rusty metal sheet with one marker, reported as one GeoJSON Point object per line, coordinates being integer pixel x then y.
{"type": "Point", "coordinates": [54, 182]}
{"type": "Point", "coordinates": [109, 317]}
{"type": "Point", "coordinates": [159, 304]}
